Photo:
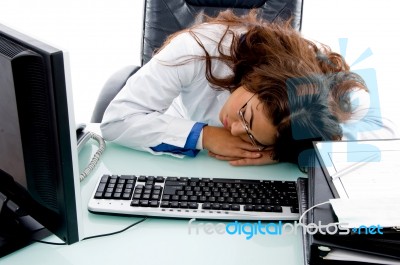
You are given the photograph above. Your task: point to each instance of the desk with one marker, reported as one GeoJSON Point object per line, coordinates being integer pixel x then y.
{"type": "Point", "coordinates": [157, 240]}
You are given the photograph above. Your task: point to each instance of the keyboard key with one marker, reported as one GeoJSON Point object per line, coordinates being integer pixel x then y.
{"type": "Point", "coordinates": [128, 177]}
{"type": "Point", "coordinates": [268, 208]}
{"type": "Point", "coordinates": [149, 183]}
{"type": "Point", "coordinates": [211, 199]}
{"type": "Point", "coordinates": [113, 180]}
{"type": "Point", "coordinates": [159, 179]}
{"type": "Point", "coordinates": [175, 183]}
{"type": "Point", "coordinates": [157, 187]}
{"type": "Point", "coordinates": [144, 203]}
{"type": "Point", "coordinates": [155, 197]}
{"type": "Point", "coordinates": [206, 205]}
{"type": "Point", "coordinates": [126, 195]}
{"type": "Point", "coordinates": [184, 198]}
{"type": "Point", "coordinates": [193, 205]}
{"type": "Point", "coordinates": [170, 190]}
{"type": "Point", "coordinates": [215, 206]}
{"type": "Point", "coordinates": [226, 206]}
{"type": "Point", "coordinates": [202, 198]}
{"type": "Point", "coordinates": [164, 204]}
{"type": "Point", "coordinates": [235, 207]}
{"type": "Point", "coordinates": [150, 178]}
{"type": "Point", "coordinates": [142, 179]}
{"type": "Point", "coordinates": [248, 207]}
{"type": "Point", "coordinates": [104, 179]}
{"type": "Point", "coordinates": [154, 203]}
{"type": "Point", "coordinates": [259, 208]}
{"type": "Point", "coordinates": [174, 204]}
{"type": "Point", "coordinates": [101, 188]}
{"type": "Point", "coordinates": [135, 202]}
{"type": "Point", "coordinates": [98, 195]}
{"type": "Point", "coordinates": [230, 200]}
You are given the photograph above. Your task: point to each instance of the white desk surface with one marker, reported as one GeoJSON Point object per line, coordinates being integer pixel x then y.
{"type": "Point", "coordinates": [157, 240]}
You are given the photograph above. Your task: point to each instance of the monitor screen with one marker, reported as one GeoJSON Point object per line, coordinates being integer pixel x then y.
{"type": "Point", "coordinates": [38, 154]}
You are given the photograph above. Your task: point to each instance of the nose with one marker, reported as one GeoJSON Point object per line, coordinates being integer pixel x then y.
{"type": "Point", "coordinates": [237, 128]}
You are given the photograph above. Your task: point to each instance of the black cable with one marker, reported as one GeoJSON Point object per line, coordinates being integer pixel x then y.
{"type": "Point", "coordinates": [95, 236]}
{"type": "Point", "coordinates": [116, 232]}
{"type": "Point", "coordinates": [86, 172]}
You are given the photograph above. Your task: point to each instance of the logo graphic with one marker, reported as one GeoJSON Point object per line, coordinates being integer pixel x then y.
{"type": "Point", "coordinates": [353, 128]}
{"type": "Point", "coordinates": [368, 230]}
{"type": "Point", "coordinates": [251, 229]}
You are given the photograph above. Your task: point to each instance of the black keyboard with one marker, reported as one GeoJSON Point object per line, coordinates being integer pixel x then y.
{"type": "Point", "coordinates": [189, 197]}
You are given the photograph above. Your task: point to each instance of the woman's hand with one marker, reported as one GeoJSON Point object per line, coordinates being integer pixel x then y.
{"type": "Point", "coordinates": [222, 145]}
{"type": "Point", "coordinates": [264, 159]}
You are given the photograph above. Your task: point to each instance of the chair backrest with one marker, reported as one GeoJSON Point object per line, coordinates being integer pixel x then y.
{"type": "Point", "coordinates": [164, 17]}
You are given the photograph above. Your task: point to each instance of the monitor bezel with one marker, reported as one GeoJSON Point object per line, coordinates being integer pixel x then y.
{"type": "Point", "coordinates": [57, 60]}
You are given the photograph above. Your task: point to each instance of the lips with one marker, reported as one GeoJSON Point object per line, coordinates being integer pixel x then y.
{"type": "Point", "coordinates": [226, 122]}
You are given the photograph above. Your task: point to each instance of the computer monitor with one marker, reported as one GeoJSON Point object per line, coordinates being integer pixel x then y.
{"type": "Point", "coordinates": [38, 155]}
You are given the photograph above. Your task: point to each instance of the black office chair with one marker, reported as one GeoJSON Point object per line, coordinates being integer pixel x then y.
{"type": "Point", "coordinates": [164, 17]}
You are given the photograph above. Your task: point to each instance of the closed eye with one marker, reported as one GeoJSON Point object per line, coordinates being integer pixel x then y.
{"type": "Point", "coordinates": [251, 118]}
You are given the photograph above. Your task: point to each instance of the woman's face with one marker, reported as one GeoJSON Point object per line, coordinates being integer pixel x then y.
{"type": "Point", "coordinates": [242, 109]}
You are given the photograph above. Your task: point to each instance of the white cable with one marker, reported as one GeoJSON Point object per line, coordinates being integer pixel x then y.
{"type": "Point", "coordinates": [309, 209]}
{"type": "Point", "coordinates": [96, 156]}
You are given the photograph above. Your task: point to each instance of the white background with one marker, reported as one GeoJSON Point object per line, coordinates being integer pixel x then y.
{"type": "Point", "coordinates": [103, 36]}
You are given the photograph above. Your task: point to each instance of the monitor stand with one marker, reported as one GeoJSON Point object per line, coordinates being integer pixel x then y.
{"type": "Point", "coordinates": [17, 232]}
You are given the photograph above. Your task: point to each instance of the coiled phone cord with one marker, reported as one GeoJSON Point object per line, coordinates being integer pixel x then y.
{"type": "Point", "coordinates": [96, 156]}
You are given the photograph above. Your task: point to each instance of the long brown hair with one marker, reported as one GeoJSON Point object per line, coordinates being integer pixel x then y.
{"type": "Point", "coordinates": [303, 85]}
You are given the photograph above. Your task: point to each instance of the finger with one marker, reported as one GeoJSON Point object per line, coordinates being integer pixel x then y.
{"type": "Point", "coordinates": [240, 155]}
{"type": "Point", "coordinates": [211, 154]}
{"type": "Point", "coordinates": [251, 155]}
{"type": "Point", "coordinates": [225, 158]}
{"type": "Point", "coordinates": [253, 162]}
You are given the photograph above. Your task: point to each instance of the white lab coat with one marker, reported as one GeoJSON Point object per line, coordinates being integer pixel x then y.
{"type": "Point", "coordinates": [161, 102]}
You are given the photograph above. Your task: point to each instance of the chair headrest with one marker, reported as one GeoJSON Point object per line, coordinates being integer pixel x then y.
{"type": "Point", "coordinates": [227, 3]}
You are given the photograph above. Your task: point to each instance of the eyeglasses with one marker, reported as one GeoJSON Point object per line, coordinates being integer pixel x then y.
{"type": "Point", "coordinates": [254, 142]}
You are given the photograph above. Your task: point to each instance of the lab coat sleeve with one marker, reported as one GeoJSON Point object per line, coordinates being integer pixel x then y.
{"type": "Point", "coordinates": [136, 117]}
{"type": "Point", "coordinates": [191, 143]}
